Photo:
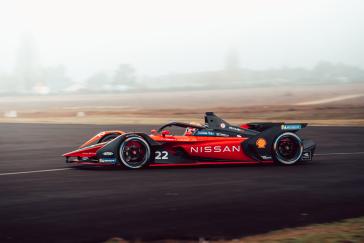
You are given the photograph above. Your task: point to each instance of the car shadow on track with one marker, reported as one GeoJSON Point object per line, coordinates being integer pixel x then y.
{"type": "Point", "coordinates": [183, 167]}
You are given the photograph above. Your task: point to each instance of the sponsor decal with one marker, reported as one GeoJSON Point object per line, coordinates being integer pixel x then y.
{"type": "Point", "coordinates": [205, 133]}
{"type": "Point", "coordinates": [222, 125]}
{"type": "Point", "coordinates": [180, 139]}
{"type": "Point", "coordinates": [235, 128]}
{"type": "Point", "coordinates": [169, 139]}
{"type": "Point", "coordinates": [215, 149]}
{"type": "Point", "coordinates": [266, 157]}
{"type": "Point", "coordinates": [306, 155]}
{"type": "Point", "coordinates": [221, 134]}
{"type": "Point", "coordinates": [108, 160]}
{"type": "Point", "coordinates": [261, 143]}
{"type": "Point", "coordinates": [108, 153]}
{"type": "Point", "coordinates": [86, 153]}
{"type": "Point", "coordinates": [210, 133]}
{"type": "Point", "coordinates": [291, 127]}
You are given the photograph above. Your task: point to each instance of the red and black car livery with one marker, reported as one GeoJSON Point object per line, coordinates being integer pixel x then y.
{"type": "Point", "coordinates": [215, 142]}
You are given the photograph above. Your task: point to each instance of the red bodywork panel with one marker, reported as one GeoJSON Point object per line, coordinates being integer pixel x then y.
{"type": "Point", "coordinates": [227, 148]}
{"type": "Point", "coordinates": [98, 136]}
{"type": "Point", "coordinates": [245, 126]}
{"type": "Point", "coordinates": [216, 142]}
{"type": "Point", "coordinates": [207, 148]}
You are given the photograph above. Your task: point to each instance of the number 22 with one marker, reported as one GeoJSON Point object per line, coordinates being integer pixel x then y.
{"type": "Point", "coordinates": [161, 155]}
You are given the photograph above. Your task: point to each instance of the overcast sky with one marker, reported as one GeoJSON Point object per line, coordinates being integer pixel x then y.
{"type": "Point", "coordinates": [164, 36]}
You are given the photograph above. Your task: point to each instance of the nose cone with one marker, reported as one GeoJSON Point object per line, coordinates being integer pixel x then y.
{"type": "Point", "coordinates": [75, 153]}
{"type": "Point", "coordinates": [70, 154]}
{"type": "Point", "coordinates": [84, 152]}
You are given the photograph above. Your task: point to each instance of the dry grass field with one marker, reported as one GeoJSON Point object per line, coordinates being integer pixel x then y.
{"type": "Point", "coordinates": [348, 231]}
{"type": "Point", "coordinates": [319, 105]}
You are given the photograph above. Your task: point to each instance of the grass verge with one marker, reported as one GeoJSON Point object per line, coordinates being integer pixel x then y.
{"type": "Point", "coordinates": [345, 231]}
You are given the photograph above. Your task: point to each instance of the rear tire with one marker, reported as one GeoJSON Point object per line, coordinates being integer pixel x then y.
{"type": "Point", "coordinates": [134, 152]}
{"type": "Point", "coordinates": [287, 148]}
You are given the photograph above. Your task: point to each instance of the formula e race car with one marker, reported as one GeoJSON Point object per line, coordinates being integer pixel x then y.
{"type": "Point", "coordinates": [215, 142]}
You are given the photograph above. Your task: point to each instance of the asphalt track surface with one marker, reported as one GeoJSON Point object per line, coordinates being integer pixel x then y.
{"type": "Point", "coordinates": [41, 200]}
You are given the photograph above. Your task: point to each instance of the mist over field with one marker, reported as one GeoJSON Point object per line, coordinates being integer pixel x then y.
{"type": "Point", "coordinates": [93, 90]}
{"type": "Point", "coordinates": [139, 55]}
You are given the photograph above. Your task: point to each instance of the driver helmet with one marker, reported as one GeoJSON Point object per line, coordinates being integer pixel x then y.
{"type": "Point", "coordinates": [190, 130]}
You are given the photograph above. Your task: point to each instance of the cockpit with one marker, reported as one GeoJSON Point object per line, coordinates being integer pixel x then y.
{"type": "Point", "coordinates": [181, 128]}
{"type": "Point", "coordinates": [214, 126]}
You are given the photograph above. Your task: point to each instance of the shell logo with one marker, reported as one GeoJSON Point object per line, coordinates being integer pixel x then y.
{"type": "Point", "coordinates": [261, 143]}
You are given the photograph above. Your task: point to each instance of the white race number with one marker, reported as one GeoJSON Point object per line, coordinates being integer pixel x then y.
{"type": "Point", "coordinates": [161, 155]}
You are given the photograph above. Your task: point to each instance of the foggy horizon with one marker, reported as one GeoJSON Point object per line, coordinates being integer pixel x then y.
{"type": "Point", "coordinates": [220, 94]}
{"type": "Point", "coordinates": [163, 37]}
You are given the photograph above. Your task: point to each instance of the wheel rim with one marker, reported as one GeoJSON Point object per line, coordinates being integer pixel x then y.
{"type": "Point", "coordinates": [134, 152]}
{"type": "Point", "coordinates": [288, 148]}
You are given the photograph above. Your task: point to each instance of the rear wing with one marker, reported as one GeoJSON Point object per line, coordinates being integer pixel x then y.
{"type": "Point", "coordinates": [262, 126]}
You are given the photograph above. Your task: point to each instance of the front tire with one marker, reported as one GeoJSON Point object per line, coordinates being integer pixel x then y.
{"type": "Point", "coordinates": [134, 152]}
{"type": "Point", "coordinates": [287, 148]}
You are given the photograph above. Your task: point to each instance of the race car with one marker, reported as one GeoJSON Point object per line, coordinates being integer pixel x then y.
{"type": "Point", "coordinates": [216, 142]}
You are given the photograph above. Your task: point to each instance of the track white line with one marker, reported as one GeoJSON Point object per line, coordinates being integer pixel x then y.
{"type": "Point", "coordinates": [33, 171]}
{"type": "Point", "coordinates": [327, 154]}
{"type": "Point", "coordinates": [61, 169]}
{"type": "Point", "coordinates": [330, 100]}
